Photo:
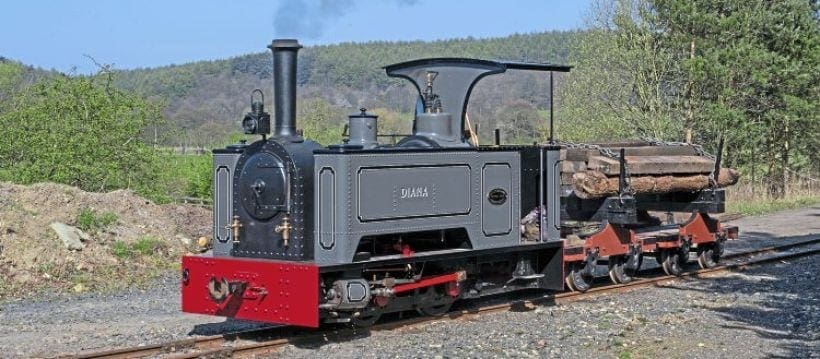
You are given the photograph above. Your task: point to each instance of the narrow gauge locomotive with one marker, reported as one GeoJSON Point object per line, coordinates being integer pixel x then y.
{"type": "Point", "coordinates": [306, 234]}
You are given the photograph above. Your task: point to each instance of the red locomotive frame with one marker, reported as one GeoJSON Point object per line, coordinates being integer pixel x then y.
{"type": "Point", "coordinates": [252, 289]}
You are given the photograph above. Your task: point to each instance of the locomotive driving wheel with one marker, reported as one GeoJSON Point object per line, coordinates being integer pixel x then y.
{"type": "Point", "coordinates": [436, 310]}
{"type": "Point", "coordinates": [366, 317]}
{"type": "Point", "coordinates": [435, 303]}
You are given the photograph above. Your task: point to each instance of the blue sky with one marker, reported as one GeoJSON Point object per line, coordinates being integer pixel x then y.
{"type": "Point", "coordinates": [131, 34]}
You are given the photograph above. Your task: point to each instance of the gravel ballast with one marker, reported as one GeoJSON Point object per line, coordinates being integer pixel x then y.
{"type": "Point", "coordinates": [770, 310]}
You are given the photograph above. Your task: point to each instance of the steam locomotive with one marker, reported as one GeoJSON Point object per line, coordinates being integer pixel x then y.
{"type": "Point", "coordinates": [306, 234]}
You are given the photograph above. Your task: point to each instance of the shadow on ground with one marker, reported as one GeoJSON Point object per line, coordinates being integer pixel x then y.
{"type": "Point", "coordinates": [785, 301]}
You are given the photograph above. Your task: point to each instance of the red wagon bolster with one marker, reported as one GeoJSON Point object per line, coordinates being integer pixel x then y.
{"type": "Point", "coordinates": [701, 229]}
{"type": "Point", "coordinates": [252, 289]}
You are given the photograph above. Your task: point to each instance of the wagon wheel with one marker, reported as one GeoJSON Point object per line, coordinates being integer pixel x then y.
{"type": "Point", "coordinates": [621, 268]}
{"type": "Point", "coordinates": [672, 261]}
{"type": "Point", "coordinates": [578, 278]}
{"type": "Point", "coordinates": [367, 318]}
{"type": "Point", "coordinates": [633, 265]}
{"type": "Point", "coordinates": [709, 256]}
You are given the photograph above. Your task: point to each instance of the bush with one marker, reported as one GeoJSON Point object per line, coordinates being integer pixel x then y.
{"type": "Point", "coordinates": [78, 131]}
{"type": "Point", "coordinates": [185, 176]}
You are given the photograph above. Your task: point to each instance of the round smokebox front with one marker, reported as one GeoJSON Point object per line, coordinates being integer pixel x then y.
{"type": "Point", "coordinates": [262, 186]}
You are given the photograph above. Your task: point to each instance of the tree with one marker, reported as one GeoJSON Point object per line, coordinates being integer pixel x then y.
{"type": "Point", "coordinates": [319, 121]}
{"type": "Point", "coordinates": [752, 77]}
{"type": "Point", "coordinates": [10, 74]}
{"type": "Point", "coordinates": [517, 121]}
{"type": "Point", "coordinates": [697, 70]}
{"type": "Point", "coordinates": [625, 77]}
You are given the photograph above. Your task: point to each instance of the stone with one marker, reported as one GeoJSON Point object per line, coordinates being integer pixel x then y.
{"type": "Point", "coordinates": [82, 266]}
{"type": "Point", "coordinates": [72, 237]}
{"type": "Point", "coordinates": [185, 240]}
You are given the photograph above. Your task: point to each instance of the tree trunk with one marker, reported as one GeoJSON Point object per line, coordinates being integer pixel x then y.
{"type": "Point", "coordinates": [784, 157]}
{"type": "Point", "coordinates": [690, 113]}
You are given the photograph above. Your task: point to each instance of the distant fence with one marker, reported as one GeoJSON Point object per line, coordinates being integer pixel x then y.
{"type": "Point", "coordinates": [204, 202]}
{"type": "Point", "coordinates": [185, 150]}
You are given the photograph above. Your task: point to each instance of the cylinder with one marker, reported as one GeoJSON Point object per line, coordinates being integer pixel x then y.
{"type": "Point", "coordinates": [284, 86]}
{"type": "Point", "coordinates": [363, 129]}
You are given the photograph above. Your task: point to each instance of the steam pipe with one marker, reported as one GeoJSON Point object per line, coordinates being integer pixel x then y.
{"type": "Point", "coordinates": [284, 86]}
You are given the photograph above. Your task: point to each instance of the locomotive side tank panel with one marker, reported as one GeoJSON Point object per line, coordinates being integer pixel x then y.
{"type": "Point", "coordinates": [496, 211]}
{"type": "Point", "coordinates": [371, 193]}
{"type": "Point", "coordinates": [224, 164]}
{"type": "Point", "coordinates": [413, 191]}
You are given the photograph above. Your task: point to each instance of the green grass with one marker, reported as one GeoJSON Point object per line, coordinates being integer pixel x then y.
{"type": "Point", "coordinates": [121, 250]}
{"type": "Point", "coordinates": [148, 245]}
{"type": "Point", "coordinates": [88, 220]}
{"type": "Point", "coordinates": [144, 246]}
{"type": "Point", "coordinates": [625, 354]}
{"type": "Point", "coordinates": [763, 206]}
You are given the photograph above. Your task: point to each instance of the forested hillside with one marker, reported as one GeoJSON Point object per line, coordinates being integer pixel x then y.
{"type": "Point", "coordinates": [209, 97]}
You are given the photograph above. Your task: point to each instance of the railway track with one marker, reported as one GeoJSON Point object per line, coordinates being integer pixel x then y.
{"type": "Point", "coordinates": [266, 340]}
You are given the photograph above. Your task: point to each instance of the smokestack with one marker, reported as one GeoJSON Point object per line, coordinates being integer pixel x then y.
{"type": "Point", "coordinates": [284, 86]}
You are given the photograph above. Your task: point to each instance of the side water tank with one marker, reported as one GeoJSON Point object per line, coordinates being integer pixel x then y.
{"type": "Point", "coordinates": [363, 129]}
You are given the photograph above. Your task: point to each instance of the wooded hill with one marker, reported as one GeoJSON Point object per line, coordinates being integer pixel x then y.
{"type": "Point", "coordinates": [209, 97]}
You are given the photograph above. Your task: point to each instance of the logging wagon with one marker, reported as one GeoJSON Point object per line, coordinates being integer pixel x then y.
{"type": "Point", "coordinates": [306, 234]}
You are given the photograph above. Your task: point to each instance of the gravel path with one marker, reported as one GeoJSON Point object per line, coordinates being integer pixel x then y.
{"type": "Point", "coordinates": [763, 312]}
{"type": "Point", "coordinates": [766, 311]}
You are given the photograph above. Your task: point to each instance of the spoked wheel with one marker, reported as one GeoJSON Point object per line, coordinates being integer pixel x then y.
{"type": "Point", "coordinates": [623, 268]}
{"type": "Point", "coordinates": [578, 277]}
{"type": "Point", "coordinates": [672, 261]}
{"type": "Point", "coordinates": [436, 310]}
{"type": "Point", "coordinates": [633, 265]}
{"type": "Point", "coordinates": [709, 256]}
{"type": "Point", "coordinates": [366, 318]}
{"type": "Point", "coordinates": [440, 303]}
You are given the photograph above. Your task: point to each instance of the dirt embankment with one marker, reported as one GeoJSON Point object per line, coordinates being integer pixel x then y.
{"type": "Point", "coordinates": [129, 239]}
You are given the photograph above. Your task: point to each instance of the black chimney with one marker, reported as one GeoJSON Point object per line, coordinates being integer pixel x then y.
{"type": "Point", "coordinates": [284, 86]}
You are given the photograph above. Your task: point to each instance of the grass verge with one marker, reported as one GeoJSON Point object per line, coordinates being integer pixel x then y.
{"type": "Point", "coordinates": [764, 206]}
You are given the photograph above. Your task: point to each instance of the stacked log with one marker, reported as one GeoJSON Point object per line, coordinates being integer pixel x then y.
{"type": "Point", "coordinates": [596, 184]}
{"type": "Point", "coordinates": [652, 169]}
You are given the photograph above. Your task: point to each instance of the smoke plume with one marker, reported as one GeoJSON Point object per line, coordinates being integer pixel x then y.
{"type": "Point", "coordinates": [308, 18]}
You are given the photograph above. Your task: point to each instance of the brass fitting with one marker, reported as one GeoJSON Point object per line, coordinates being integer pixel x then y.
{"type": "Point", "coordinates": [284, 228]}
{"type": "Point", "coordinates": [235, 227]}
